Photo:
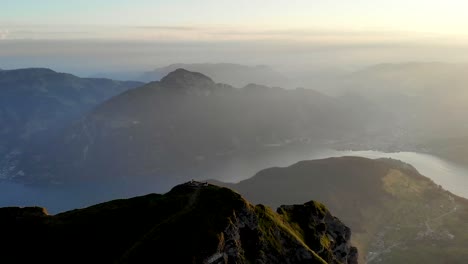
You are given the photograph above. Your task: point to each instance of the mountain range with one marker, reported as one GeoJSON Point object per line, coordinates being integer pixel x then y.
{"type": "Point", "coordinates": [36, 103]}
{"type": "Point", "coordinates": [424, 101]}
{"type": "Point", "coordinates": [187, 126]}
{"type": "Point", "coordinates": [63, 132]}
{"type": "Point", "coordinates": [233, 74]}
{"type": "Point", "coordinates": [58, 129]}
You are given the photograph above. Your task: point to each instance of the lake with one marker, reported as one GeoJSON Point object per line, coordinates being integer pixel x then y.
{"type": "Point", "coordinates": [450, 176]}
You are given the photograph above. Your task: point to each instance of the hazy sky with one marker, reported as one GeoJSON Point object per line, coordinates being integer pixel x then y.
{"type": "Point", "coordinates": [427, 16]}
{"type": "Point", "coordinates": [274, 32]}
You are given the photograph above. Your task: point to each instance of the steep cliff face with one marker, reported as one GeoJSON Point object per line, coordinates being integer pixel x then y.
{"type": "Point", "coordinates": [324, 233]}
{"type": "Point", "coordinates": [255, 234]}
{"type": "Point", "coordinates": [297, 234]}
{"type": "Point", "coordinates": [193, 223]}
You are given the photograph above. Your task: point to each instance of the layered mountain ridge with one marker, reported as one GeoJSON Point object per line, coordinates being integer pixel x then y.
{"type": "Point", "coordinates": [187, 126]}
{"type": "Point", "coordinates": [233, 74]}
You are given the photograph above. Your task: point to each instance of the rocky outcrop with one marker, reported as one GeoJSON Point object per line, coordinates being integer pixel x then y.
{"type": "Point", "coordinates": [324, 233]}
{"type": "Point", "coordinates": [253, 237]}
{"type": "Point", "coordinates": [26, 212]}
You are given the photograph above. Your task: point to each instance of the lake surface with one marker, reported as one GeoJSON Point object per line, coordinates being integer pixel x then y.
{"type": "Point", "coordinates": [450, 176]}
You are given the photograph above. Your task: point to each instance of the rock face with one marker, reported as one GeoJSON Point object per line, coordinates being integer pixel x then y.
{"type": "Point", "coordinates": [330, 237]}
{"type": "Point", "coordinates": [23, 213]}
{"type": "Point", "coordinates": [193, 223]}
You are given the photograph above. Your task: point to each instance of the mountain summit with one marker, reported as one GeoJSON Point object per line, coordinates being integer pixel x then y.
{"type": "Point", "coordinates": [182, 78]}
{"type": "Point", "coordinates": [233, 74]}
{"type": "Point", "coordinates": [193, 223]}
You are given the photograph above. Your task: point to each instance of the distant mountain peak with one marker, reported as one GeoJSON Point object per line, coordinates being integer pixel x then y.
{"type": "Point", "coordinates": [182, 78]}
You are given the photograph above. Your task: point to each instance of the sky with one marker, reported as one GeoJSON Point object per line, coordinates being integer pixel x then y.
{"type": "Point", "coordinates": [225, 30]}
{"type": "Point", "coordinates": [246, 16]}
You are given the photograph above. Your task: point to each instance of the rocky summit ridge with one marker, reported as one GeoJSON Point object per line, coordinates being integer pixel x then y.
{"type": "Point", "coordinates": [193, 223]}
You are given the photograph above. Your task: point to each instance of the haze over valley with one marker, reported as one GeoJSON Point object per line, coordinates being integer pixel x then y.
{"type": "Point", "coordinates": [221, 132]}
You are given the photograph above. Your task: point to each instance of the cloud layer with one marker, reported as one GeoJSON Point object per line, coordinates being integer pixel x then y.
{"type": "Point", "coordinates": [89, 49]}
{"type": "Point", "coordinates": [221, 33]}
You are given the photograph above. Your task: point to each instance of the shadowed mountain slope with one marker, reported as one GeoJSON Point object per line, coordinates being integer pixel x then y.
{"type": "Point", "coordinates": [187, 126]}
{"type": "Point", "coordinates": [193, 223]}
{"type": "Point", "coordinates": [36, 103]}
